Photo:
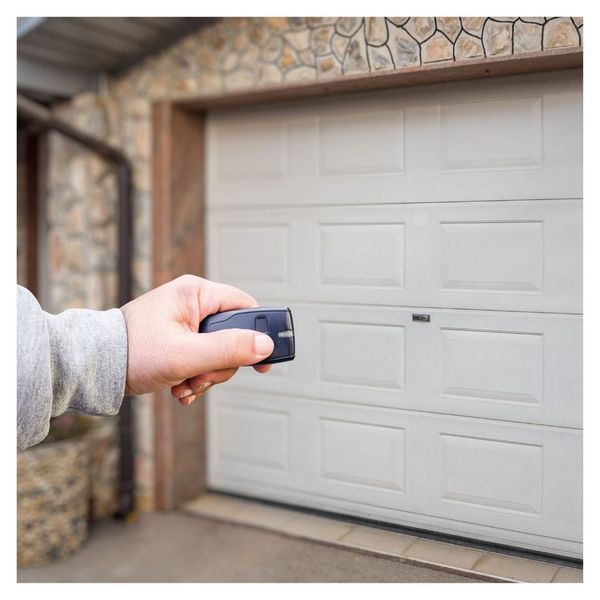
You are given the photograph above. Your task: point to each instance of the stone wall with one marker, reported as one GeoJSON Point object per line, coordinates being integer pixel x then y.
{"type": "Point", "coordinates": [231, 54]}
{"type": "Point", "coordinates": [239, 53]}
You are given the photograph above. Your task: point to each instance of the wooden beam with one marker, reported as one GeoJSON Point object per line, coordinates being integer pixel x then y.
{"type": "Point", "coordinates": [178, 248]}
{"type": "Point", "coordinates": [442, 72]}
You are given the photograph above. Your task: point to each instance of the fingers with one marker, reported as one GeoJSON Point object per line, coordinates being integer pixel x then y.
{"type": "Point", "coordinates": [195, 385]}
{"type": "Point", "coordinates": [187, 391]}
{"type": "Point", "coordinates": [227, 349]}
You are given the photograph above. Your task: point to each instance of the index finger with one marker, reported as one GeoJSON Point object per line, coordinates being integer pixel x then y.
{"type": "Point", "coordinates": [224, 297]}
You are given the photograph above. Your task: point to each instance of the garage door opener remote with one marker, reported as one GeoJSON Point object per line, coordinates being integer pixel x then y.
{"type": "Point", "coordinates": [275, 321]}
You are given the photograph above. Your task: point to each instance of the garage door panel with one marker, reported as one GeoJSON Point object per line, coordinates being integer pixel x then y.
{"type": "Point", "coordinates": [476, 472]}
{"type": "Point", "coordinates": [523, 256]}
{"type": "Point", "coordinates": [360, 453]}
{"type": "Point", "coordinates": [513, 367]}
{"type": "Point", "coordinates": [361, 143]}
{"type": "Point", "coordinates": [496, 366]}
{"type": "Point", "coordinates": [362, 254]}
{"type": "Point", "coordinates": [250, 442]}
{"type": "Point", "coordinates": [514, 126]}
{"type": "Point", "coordinates": [506, 256]}
{"type": "Point", "coordinates": [362, 354]}
{"type": "Point", "coordinates": [484, 256]}
{"type": "Point", "coordinates": [507, 477]}
{"type": "Point", "coordinates": [514, 138]}
{"type": "Point", "coordinates": [507, 366]}
{"type": "Point", "coordinates": [266, 263]}
{"type": "Point", "coordinates": [269, 141]}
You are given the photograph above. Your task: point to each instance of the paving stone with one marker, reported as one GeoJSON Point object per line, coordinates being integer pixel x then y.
{"type": "Point", "coordinates": [567, 575]}
{"type": "Point", "coordinates": [317, 528]}
{"type": "Point", "coordinates": [441, 553]}
{"type": "Point", "coordinates": [378, 540]}
{"type": "Point", "coordinates": [519, 569]}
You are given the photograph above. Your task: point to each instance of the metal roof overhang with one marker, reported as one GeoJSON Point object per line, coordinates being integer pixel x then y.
{"type": "Point", "coordinates": [61, 56]}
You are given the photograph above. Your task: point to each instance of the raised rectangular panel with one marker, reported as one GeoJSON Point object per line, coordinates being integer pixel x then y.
{"type": "Point", "coordinates": [366, 454]}
{"type": "Point", "coordinates": [251, 150]}
{"type": "Point", "coordinates": [361, 143]}
{"type": "Point", "coordinates": [253, 436]}
{"type": "Point", "coordinates": [493, 365]}
{"type": "Point", "coordinates": [257, 253]}
{"type": "Point", "coordinates": [370, 254]}
{"type": "Point", "coordinates": [498, 256]}
{"type": "Point", "coordinates": [488, 473]}
{"type": "Point", "coordinates": [362, 354]}
{"type": "Point", "coordinates": [492, 134]}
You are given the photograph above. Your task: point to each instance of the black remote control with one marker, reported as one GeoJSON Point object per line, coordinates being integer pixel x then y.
{"type": "Point", "coordinates": [275, 321]}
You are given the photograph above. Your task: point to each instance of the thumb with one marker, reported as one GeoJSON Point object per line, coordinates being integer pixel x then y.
{"type": "Point", "coordinates": [229, 348]}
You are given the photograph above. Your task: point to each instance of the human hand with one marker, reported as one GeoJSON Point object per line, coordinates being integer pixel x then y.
{"type": "Point", "coordinates": [166, 350]}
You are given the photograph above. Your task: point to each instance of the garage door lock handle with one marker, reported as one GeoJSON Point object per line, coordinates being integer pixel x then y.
{"type": "Point", "coordinates": [425, 318]}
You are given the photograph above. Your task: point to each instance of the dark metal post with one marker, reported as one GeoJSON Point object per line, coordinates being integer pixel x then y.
{"type": "Point", "coordinates": [126, 502]}
{"type": "Point", "coordinates": [32, 111]}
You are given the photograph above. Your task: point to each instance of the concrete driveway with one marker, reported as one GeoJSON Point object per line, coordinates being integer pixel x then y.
{"type": "Point", "coordinates": [175, 547]}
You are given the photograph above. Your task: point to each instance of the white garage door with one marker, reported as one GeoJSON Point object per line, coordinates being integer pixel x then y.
{"type": "Point", "coordinates": [461, 202]}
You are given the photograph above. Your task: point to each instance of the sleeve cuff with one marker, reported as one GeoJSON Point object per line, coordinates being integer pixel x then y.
{"type": "Point", "coordinates": [89, 355]}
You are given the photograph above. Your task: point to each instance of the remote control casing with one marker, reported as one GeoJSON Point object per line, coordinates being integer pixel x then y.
{"type": "Point", "coordinates": [275, 321]}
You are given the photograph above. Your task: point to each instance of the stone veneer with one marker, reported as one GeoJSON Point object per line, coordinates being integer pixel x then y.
{"type": "Point", "coordinates": [231, 54]}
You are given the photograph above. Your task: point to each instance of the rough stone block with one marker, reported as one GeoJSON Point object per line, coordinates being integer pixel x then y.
{"type": "Point", "coordinates": [560, 33]}
{"type": "Point", "coordinates": [404, 49]}
{"type": "Point", "coordinates": [421, 28]}
{"type": "Point", "coordinates": [497, 38]}
{"type": "Point", "coordinates": [376, 31]}
{"type": "Point", "coordinates": [527, 37]}
{"type": "Point", "coordinates": [467, 47]}
{"type": "Point", "coordinates": [437, 49]}
{"type": "Point", "coordinates": [450, 26]}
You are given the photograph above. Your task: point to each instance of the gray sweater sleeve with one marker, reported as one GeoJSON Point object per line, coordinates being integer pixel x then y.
{"type": "Point", "coordinates": [74, 360]}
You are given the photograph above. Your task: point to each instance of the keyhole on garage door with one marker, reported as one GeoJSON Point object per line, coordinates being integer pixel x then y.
{"type": "Point", "coordinates": [421, 317]}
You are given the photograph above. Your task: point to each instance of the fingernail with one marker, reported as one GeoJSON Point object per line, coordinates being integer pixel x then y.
{"type": "Point", "coordinates": [187, 400]}
{"type": "Point", "coordinates": [185, 392]}
{"type": "Point", "coordinates": [202, 388]}
{"type": "Point", "coordinates": [262, 344]}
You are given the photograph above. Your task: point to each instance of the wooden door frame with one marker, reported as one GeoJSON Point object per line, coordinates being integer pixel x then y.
{"type": "Point", "coordinates": [178, 207]}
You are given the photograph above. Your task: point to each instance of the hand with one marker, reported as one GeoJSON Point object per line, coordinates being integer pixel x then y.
{"type": "Point", "coordinates": [166, 350]}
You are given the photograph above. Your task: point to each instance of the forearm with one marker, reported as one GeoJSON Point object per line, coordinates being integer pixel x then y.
{"type": "Point", "coordinates": [77, 360]}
